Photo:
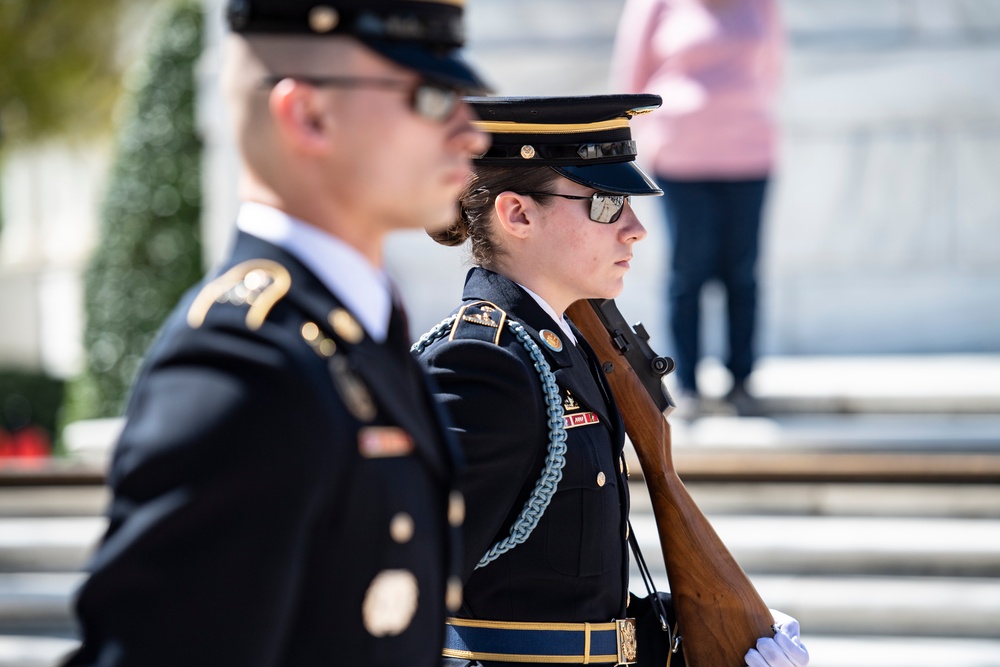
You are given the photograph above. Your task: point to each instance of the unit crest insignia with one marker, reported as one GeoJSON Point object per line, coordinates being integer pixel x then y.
{"type": "Point", "coordinates": [257, 283]}
{"type": "Point", "coordinates": [569, 403]}
{"type": "Point", "coordinates": [551, 340]}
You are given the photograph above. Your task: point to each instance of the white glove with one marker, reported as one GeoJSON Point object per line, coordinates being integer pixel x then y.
{"type": "Point", "coordinates": [784, 650]}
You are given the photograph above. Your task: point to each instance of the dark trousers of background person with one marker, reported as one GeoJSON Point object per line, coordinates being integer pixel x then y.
{"type": "Point", "coordinates": [714, 231]}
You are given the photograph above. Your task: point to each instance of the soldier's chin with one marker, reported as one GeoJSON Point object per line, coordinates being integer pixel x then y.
{"type": "Point", "coordinates": [442, 219]}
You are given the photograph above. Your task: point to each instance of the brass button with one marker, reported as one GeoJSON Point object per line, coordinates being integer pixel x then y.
{"type": "Point", "coordinates": [401, 528]}
{"type": "Point", "coordinates": [456, 509]}
{"type": "Point", "coordinates": [601, 479]}
{"type": "Point", "coordinates": [453, 594]}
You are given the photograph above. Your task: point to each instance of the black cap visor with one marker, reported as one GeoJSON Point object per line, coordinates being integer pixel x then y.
{"type": "Point", "coordinates": [620, 178]}
{"type": "Point", "coordinates": [445, 67]}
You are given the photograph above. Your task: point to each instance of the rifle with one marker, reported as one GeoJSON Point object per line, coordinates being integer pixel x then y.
{"type": "Point", "coordinates": [719, 613]}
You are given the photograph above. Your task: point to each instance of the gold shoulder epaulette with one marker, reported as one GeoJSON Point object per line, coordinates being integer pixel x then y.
{"type": "Point", "coordinates": [257, 283]}
{"type": "Point", "coordinates": [487, 320]}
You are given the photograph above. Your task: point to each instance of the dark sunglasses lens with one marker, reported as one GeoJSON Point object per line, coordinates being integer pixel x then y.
{"type": "Point", "coordinates": [434, 102]}
{"type": "Point", "coordinates": [606, 208]}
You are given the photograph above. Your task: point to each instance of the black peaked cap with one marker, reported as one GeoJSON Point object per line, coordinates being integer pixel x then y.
{"type": "Point", "coordinates": [423, 35]}
{"type": "Point", "coordinates": [587, 139]}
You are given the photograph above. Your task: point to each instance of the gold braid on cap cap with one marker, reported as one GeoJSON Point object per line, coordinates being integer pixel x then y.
{"type": "Point", "coordinates": [513, 127]}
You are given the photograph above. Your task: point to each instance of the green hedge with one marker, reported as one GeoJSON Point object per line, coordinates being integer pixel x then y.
{"type": "Point", "coordinates": [29, 398]}
{"type": "Point", "coordinates": [149, 249]}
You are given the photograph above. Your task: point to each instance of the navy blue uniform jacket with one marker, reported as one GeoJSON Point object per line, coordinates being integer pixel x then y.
{"type": "Point", "coordinates": [574, 566]}
{"type": "Point", "coordinates": [280, 489]}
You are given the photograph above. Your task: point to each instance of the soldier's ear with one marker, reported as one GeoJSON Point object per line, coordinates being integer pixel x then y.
{"type": "Point", "coordinates": [515, 213]}
{"type": "Point", "coordinates": [300, 116]}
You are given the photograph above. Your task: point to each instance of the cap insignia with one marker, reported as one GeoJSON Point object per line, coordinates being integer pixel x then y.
{"type": "Point", "coordinates": [257, 283]}
{"type": "Point", "coordinates": [390, 603]}
{"type": "Point", "coordinates": [323, 18]}
{"type": "Point", "coordinates": [352, 390]}
{"type": "Point", "coordinates": [552, 341]}
{"type": "Point", "coordinates": [527, 151]}
{"type": "Point", "coordinates": [345, 326]}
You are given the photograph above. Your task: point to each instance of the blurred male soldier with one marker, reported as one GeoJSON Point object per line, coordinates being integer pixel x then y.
{"type": "Point", "coordinates": [282, 487]}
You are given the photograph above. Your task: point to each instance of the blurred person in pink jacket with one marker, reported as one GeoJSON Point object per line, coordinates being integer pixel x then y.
{"type": "Point", "coordinates": [711, 146]}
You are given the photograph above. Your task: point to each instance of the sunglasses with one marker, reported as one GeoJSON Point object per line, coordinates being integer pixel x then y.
{"type": "Point", "coordinates": [605, 207]}
{"type": "Point", "coordinates": [432, 101]}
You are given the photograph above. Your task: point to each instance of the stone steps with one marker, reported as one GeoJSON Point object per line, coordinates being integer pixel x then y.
{"type": "Point", "coordinates": [889, 573]}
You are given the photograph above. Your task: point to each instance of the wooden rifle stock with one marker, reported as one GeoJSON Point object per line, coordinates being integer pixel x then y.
{"type": "Point", "coordinates": [719, 613]}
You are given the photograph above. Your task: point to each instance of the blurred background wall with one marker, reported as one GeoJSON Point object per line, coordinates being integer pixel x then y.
{"type": "Point", "coordinates": [882, 233]}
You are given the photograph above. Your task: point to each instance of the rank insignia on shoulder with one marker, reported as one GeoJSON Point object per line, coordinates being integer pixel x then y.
{"type": "Point", "coordinates": [480, 314]}
{"type": "Point", "coordinates": [552, 341]}
{"type": "Point", "coordinates": [257, 283]}
{"type": "Point", "coordinates": [352, 389]}
{"type": "Point", "coordinates": [377, 442]}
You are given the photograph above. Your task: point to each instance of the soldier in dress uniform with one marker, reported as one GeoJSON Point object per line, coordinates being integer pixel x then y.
{"type": "Point", "coordinates": [283, 488]}
{"type": "Point", "coordinates": [549, 218]}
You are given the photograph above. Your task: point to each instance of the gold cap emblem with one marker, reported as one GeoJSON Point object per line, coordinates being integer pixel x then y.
{"type": "Point", "coordinates": [345, 326]}
{"type": "Point", "coordinates": [527, 151]}
{"type": "Point", "coordinates": [323, 18]}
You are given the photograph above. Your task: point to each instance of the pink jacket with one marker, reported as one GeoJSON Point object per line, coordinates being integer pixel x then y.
{"type": "Point", "coordinates": [717, 65]}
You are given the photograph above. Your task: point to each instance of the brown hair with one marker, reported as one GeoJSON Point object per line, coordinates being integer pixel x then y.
{"type": "Point", "coordinates": [476, 206]}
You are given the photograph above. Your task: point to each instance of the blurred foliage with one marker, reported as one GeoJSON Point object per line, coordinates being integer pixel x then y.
{"type": "Point", "coordinates": [59, 66]}
{"type": "Point", "coordinates": [149, 248]}
{"type": "Point", "coordinates": [29, 398]}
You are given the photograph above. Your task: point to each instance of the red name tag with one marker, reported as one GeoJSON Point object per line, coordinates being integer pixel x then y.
{"type": "Point", "coordinates": [581, 419]}
{"type": "Point", "coordinates": [381, 441]}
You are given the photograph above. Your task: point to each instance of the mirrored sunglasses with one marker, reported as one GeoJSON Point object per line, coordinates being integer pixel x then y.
{"type": "Point", "coordinates": [605, 207]}
{"type": "Point", "coordinates": [429, 100]}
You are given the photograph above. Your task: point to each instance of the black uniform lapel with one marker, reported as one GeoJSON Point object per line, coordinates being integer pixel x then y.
{"type": "Point", "coordinates": [396, 382]}
{"type": "Point", "coordinates": [386, 372]}
{"type": "Point", "coordinates": [579, 379]}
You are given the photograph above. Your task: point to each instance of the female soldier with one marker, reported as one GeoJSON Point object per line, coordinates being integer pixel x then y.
{"type": "Point", "coordinates": [547, 211]}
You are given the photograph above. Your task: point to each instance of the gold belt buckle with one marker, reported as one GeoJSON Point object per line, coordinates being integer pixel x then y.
{"type": "Point", "coordinates": [626, 641]}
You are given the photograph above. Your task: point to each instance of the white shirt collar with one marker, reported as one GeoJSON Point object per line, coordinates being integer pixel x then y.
{"type": "Point", "coordinates": [561, 321]}
{"type": "Point", "coordinates": [365, 289]}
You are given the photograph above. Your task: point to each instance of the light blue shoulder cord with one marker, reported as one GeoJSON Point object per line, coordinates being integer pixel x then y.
{"type": "Point", "coordinates": [547, 483]}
